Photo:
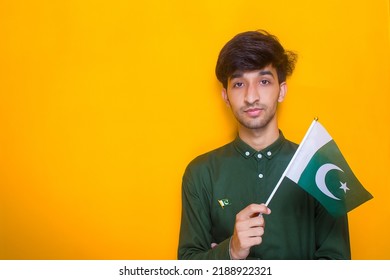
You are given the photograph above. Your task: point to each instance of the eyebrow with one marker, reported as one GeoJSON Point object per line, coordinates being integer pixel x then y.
{"type": "Point", "coordinates": [239, 74]}
{"type": "Point", "coordinates": [265, 72]}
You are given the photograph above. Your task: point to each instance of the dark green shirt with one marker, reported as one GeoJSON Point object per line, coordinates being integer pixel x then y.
{"type": "Point", "coordinates": [220, 183]}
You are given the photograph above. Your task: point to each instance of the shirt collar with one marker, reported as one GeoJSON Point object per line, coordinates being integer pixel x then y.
{"type": "Point", "coordinates": [269, 152]}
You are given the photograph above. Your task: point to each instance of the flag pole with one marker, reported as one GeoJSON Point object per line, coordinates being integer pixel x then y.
{"type": "Point", "coordinates": [291, 161]}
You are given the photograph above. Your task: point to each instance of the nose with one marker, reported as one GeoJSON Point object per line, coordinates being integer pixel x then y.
{"type": "Point", "coordinates": [252, 94]}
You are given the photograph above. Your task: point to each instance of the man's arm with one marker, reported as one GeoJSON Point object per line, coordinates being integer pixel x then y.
{"type": "Point", "coordinates": [196, 241]}
{"type": "Point", "coordinates": [195, 231]}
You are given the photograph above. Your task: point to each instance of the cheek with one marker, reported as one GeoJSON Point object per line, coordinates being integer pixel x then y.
{"type": "Point", "coordinates": [233, 101]}
{"type": "Point", "coordinates": [275, 96]}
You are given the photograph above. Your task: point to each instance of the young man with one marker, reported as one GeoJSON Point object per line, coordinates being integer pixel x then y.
{"type": "Point", "coordinates": [223, 190]}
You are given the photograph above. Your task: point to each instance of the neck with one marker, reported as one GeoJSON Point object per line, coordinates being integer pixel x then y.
{"type": "Point", "coordinates": [260, 138]}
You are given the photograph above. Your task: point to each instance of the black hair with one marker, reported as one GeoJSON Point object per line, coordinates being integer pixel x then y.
{"type": "Point", "coordinates": [253, 50]}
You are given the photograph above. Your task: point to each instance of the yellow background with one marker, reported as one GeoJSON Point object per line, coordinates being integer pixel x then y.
{"type": "Point", "coordinates": [104, 103]}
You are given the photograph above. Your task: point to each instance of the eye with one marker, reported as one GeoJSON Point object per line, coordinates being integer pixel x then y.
{"type": "Point", "coordinates": [238, 85]}
{"type": "Point", "coordinates": [265, 82]}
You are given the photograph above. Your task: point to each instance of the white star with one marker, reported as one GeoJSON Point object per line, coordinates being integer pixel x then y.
{"type": "Point", "coordinates": [344, 187]}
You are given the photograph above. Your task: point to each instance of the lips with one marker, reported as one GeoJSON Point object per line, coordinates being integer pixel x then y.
{"type": "Point", "coordinates": [253, 112]}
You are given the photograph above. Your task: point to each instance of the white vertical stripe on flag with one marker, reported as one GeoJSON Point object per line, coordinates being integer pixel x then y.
{"type": "Point", "coordinates": [303, 157]}
{"type": "Point", "coordinates": [317, 138]}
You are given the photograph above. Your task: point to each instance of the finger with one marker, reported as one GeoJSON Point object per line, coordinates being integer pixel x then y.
{"type": "Point", "coordinates": [246, 240]}
{"type": "Point", "coordinates": [250, 233]}
{"type": "Point", "coordinates": [264, 209]}
{"type": "Point", "coordinates": [255, 232]}
{"type": "Point", "coordinates": [250, 241]}
{"type": "Point", "coordinates": [257, 221]}
{"type": "Point", "coordinates": [252, 210]}
{"type": "Point", "coordinates": [244, 225]}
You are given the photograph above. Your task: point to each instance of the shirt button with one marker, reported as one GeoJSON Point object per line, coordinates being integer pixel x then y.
{"type": "Point", "coordinates": [259, 156]}
{"type": "Point", "coordinates": [269, 153]}
{"type": "Point", "coordinates": [261, 176]}
{"type": "Point", "coordinates": [247, 153]}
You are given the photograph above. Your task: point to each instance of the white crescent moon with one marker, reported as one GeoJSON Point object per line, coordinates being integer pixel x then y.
{"type": "Point", "coordinates": [320, 179]}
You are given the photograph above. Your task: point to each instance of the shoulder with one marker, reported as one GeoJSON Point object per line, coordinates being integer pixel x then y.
{"type": "Point", "coordinates": [206, 166]}
{"type": "Point", "coordinates": [289, 145]}
{"type": "Point", "coordinates": [201, 171]}
{"type": "Point", "coordinates": [211, 157]}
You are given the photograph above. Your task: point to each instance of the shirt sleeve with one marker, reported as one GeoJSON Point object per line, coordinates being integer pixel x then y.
{"type": "Point", "coordinates": [332, 236]}
{"type": "Point", "coordinates": [195, 231]}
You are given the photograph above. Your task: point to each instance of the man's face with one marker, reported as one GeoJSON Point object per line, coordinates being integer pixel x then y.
{"type": "Point", "coordinates": [253, 96]}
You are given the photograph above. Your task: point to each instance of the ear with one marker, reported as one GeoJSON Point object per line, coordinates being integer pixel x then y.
{"type": "Point", "coordinates": [225, 97]}
{"type": "Point", "coordinates": [282, 91]}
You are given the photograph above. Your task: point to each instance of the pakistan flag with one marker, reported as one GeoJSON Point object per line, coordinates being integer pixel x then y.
{"type": "Point", "coordinates": [319, 168]}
